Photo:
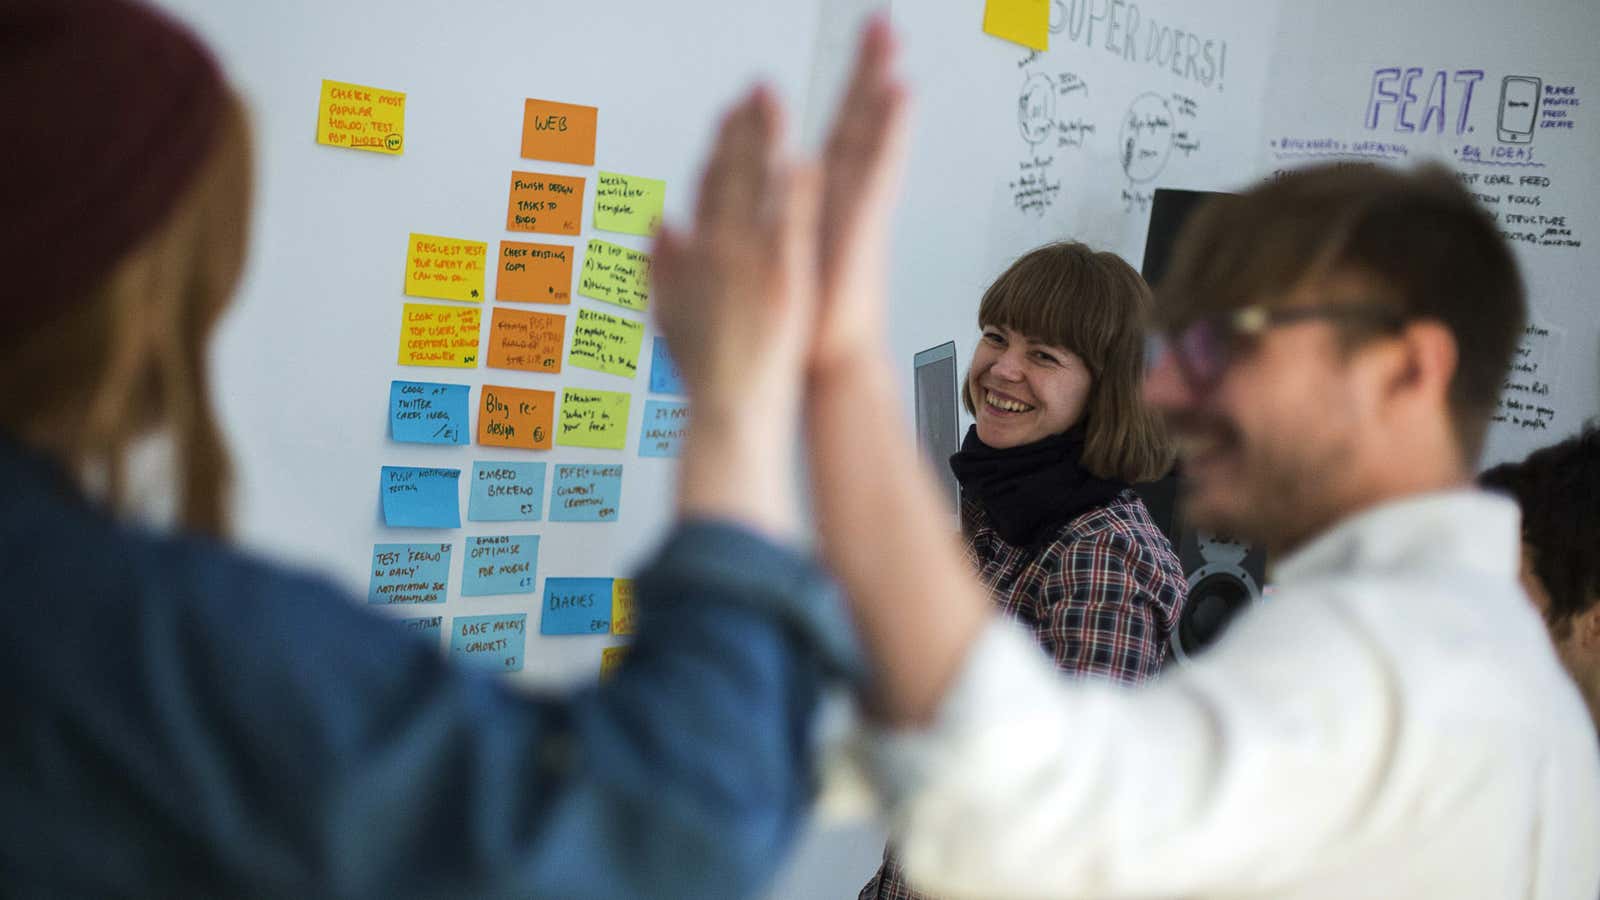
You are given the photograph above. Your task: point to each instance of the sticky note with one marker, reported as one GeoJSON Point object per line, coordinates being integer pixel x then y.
{"type": "Point", "coordinates": [499, 564]}
{"type": "Point", "coordinates": [490, 642]}
{"type": "Point", "coordinates": [596, 419]}
{"type": "Point", "coordinates": [515, 417]}
{"type": "Point", "coordinates": [665, 424]}
{"type": "Point", "coordinates": [586, 493]}
{"type": "Point", "coordinates": [530, 341]}
{"type": "Point", "coordinates": [506, 492]}
{"type": "Point", "coordinates": [559, 132]}
{"type": "Point", "coordinates": [606, 343]}
{"type": "Point", "coordinates": [548, 204]}
{"type": "Point", "coordinates": [616, 274]}
{"type": "Point", "coordinates": [361, 118]}
{"type": "Point", "coordinates": [426, 627]}
{"type": "Point", "coordinates": [432, 335]}
{"type": "Point", "coordinates": [576, 606]}
{"type": "Point", "coordinates": [409, 573]}
{"type": "Point", "coordinates": [422, 412]}
{"type": "Point", "coordinates": [664, 377]}
{"type": "Point", "coordinates": [628, 203]}
{"type": "Point", "coordinates": [622, 606]}
{"type": "Point", "coordinates": [445, 268]}
{"type": "Point", "coordinates": [1026, 22]}
{"type": "Point", "coordinates": [611, 660]}
{"type": "Point", "coordinates": [420, 498]}
{"type": "Point", "coordinates": [534, 273]}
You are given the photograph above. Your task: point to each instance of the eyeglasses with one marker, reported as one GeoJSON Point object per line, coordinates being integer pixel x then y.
{"type": "Point", "coordinates": [1205, 348]}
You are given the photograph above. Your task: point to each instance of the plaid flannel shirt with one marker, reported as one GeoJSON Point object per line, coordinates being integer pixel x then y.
{"type": "Point", "coordinates": [1102, 597]}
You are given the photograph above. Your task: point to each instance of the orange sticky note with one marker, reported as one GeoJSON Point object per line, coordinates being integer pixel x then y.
{"type": "Point", "coordinates": [534, 273]}
{"type": "Point", "coordinates": [437, 335]}
{"type": "Point", "coordinates": [622, 606]}
{"type": "Point", "coordinates": [548, 204]}
{"type": "Point", "coordinates": [515, 417]}
{"type": "Point", "coordinates": [1026, 22]}
{"type": "Point", "coordinates": [530, 341]}
{"type": "Point", "coordinates": [560, 132]}
{"type": "Point", "coordinates": [611, 660]}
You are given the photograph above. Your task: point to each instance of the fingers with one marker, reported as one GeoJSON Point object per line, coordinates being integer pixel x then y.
{"type": "Point", "coordinates": [797, 238]}
{"type": "Point", "coordinates": [738, 179]}
{"type": "Point", "coordinates": [872, 108]}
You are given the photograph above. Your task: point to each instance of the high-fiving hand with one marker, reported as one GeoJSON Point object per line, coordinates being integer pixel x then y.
{"type": "Point", "coordinates": [762, 291]}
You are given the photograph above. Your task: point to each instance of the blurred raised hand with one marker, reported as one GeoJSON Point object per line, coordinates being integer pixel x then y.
{"type": "Point", "coordinates": [735, 296]}
{"type": "Point", "coordinates": [862, 163]}
{"type": "Point", "coordinates": [883, 529]}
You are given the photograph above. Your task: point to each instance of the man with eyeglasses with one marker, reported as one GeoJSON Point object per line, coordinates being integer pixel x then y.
{"type": "Point", "coordinates": [1393, 723]}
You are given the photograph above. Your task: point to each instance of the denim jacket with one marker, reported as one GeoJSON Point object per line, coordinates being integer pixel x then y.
{"type": "Point", "coordinates": [182, 720]}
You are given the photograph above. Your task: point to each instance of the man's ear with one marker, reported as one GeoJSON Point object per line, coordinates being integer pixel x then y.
{"type": "Point", "coordinates": [1427, 360]}
{"type": "Point", "coordinates": [1586, 628]}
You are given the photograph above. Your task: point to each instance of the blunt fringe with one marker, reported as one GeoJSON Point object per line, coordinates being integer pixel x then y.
{"type": "Point", "coordinates": [1094, 304]}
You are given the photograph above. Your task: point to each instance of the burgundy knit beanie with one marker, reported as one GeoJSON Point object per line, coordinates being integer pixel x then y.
{"type": "Point", "coordinates": [110, 110]}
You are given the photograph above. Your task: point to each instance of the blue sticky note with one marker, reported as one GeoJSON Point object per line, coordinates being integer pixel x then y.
{"type": "Point", "coordinates": [586, 493]}
{"type": "Point", "coordinates": [421, 412]}
{"type": "Point", "coordinates": [499, 564]}
{"type": "Point", "coordinates": [492, 642]}
{"type": "Point", "coordinates": [426, 627]}
{"type": "Point", "coordinates": [409, 573]}
{"type": "Point", "coordinates": [420, 498]}
{"type": "Point", "coordinates": [506, 492]}
{"type": "Point", "coordinates": [665, 423]}
{"type": "Point", "coordinates": [576, 606]}
{"type": "Point", "coordinates": [664, 377]}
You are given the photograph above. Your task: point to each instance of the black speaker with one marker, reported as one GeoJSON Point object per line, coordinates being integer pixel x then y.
{"type": "Point", "coordinates": [1224, 576]}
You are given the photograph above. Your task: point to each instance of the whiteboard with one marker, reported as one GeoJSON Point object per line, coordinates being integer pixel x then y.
{"type": "Point", "coordinates": [304, 362]}
{"type": "Point", "coordinates": [1342, 79]}
{"type": "Point", "coordinates": [1014, 148]}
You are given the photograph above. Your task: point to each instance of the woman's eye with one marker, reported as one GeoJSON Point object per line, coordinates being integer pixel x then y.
{"type": "Point", "coordinates": [1044, 357]}
{"type": "Point", "coordinates": [994, 337]}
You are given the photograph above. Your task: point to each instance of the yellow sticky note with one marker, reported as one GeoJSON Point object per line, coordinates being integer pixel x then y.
{"type": "Point", "coordinates": [606, 343]}
{"type": "Point", "coordinates": [622, 606]}
{"type": "Point", "coordinates": [361, 118]}
{"type": "Point", "coordinates": [616, 274]}
{"type": "Point", "coordinates": [611, 660]}
{"type": "Point", "coordinates": [445, 268]}
{"type": "Point", "coordinates": [432, 335]}
{"type": "Point", "coordinates": [1027, 22]}
{"type": "Point", "coordinates": [628, 203]}
{"type": "Point", "coordinates": [596, 419]}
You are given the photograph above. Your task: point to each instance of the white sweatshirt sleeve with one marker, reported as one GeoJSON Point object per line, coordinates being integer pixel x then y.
{"type": "Point", "coordinates": [1240, 772]}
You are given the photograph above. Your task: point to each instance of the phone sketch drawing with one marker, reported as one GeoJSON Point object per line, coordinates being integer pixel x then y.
{"type": "Point", "coordinates": [1519, 108]}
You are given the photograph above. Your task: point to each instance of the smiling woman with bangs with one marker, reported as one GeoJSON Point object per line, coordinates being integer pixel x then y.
{"type": "Point", "coordinates": [1061, 431]}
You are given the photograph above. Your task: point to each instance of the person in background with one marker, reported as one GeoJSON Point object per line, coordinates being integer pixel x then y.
{"type": "Point", "coordinates": [1058, 538]}
{"type": "Point", "coordinates": [1558, 489]}
{"type": "Point", "coordinates": [183, 720]}
{"type": "Point", "coordinates": [1394, 724]}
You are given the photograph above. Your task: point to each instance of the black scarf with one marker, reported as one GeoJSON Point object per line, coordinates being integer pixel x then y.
{"type": "Point", "coordinates": [1029, 492]}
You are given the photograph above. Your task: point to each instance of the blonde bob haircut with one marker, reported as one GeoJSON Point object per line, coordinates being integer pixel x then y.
{"type": "Point", "coordinates": [1096, 305]}
{"type": "Point", "coordinates": [129, 360]}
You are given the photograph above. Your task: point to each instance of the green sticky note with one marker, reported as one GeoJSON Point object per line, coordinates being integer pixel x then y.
{"type": "Point", "coordinates": [606, 343]}
{"type": "Point", "coordinates": [616, 274]}
{"type": "Point", "coordinates": [1026, 22]}
{"type": "Point", "coordinates": [628, 203]}
{"type": "Point", "coordinates": [596, 419]}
